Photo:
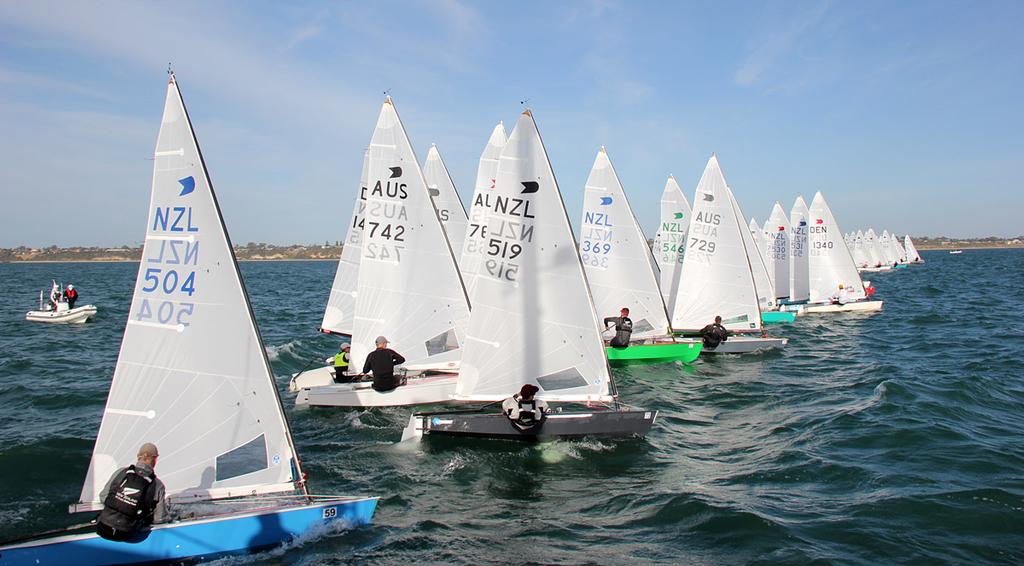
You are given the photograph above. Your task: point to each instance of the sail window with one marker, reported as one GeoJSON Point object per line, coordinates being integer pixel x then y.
{"type": "Point", "coordinates": [564, 379]}
{"type": "Point", "coordinates": [246, 459]}
{"type": "Point", "coordinates": [643, 326]}
{"type": "Point", "coordinates": [444, 342]}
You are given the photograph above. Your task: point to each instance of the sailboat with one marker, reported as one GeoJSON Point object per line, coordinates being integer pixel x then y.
{"type": "Point", "coordinates": [718, 278]}
{"type": "Point", "coordinates": [445, 197]}
{"type": "Point", "coordinates": [774, 245]}
{"type": "Point", "coordinates": [192, 376]}
{"type": "Point", "coordinates": [912, 255]}
{"type": "Point", "coordinates": [831, 265]}
{"type": "Point", "coordinates": [872, 248]}
{"type": "Point", "coordinates": [621, 271]}
{"type": "Point", "coordinates": [533, 319]}
{"type": "Point", "coordinates": [475, 241]}
{"type": "Point", "coordinates": [798, 275]}
{"type": "Point", "coordinates": [670, 241]}
{"type": "Point", "coordinates": [424, 318]}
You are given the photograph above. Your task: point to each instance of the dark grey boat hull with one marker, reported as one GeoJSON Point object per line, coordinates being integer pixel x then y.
{"type": "Point", "coordinates": [599, 423]}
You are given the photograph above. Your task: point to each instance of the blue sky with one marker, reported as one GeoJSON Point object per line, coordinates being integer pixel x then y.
{"type": "Point", "coordinates": [906, 115]}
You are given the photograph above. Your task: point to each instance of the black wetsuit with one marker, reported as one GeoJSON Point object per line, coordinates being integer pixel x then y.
{"type": "Point", "coordinates": [623, 330]}
{"type": "Point", "coordinates": [713, 335]}
{"type": "Point", "coordinates": [382, 362]}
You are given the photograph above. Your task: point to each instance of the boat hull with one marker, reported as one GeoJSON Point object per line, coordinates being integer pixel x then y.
{"type": "Point", "coordinates": [422, 390]}
{"type": "Point", "coordinates": [746, 345]}
{"type": "Point", "coordinates": [778, 317]}
{"type": "Point", "coordinates": [200, 539]}
{"type": "Point", "coordinates": [599, 423]}
{"type": "Point", "coordinates": [857, 306]}
{"type": "Point", "coordinates": [77, 315]}
{"type": "Point", "coordinates": [654, 353]}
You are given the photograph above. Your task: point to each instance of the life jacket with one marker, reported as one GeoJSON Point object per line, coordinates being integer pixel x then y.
{"type": "Point", "coordinates": [341, 360]}
{"type": "Point", "coordinates": [128, 505]}
{"type": "Point", "coordinates": [529, 414]}
{"type": "Point", "coordinates": [72, 294]}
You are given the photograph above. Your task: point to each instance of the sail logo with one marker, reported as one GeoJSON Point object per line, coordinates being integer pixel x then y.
{"type": "Point", "coordinates": [605, 201]}
{"type": "Point", "coordinates": [820, 221]}
{"type": "Point", "coordinates": [678, 216]}
{"type": "Point", "coordinates": [709, 197]}
{"type": "Point", "coordinates": [530, 187]}
{"type": "Point", "coordinates": [493, 182]}
{"type": "Point", "coordinates": [782, 228]}
{"type": "Point", "coordinates": [434, 191]}
{"type": "Point", "coordinates": [188, 184]}
{"type": "Point", "coordinates": [803, 223]}
{"type": "Point", "coordinates": [395, 172]}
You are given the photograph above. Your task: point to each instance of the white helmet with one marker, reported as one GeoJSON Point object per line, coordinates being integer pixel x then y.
{"type": "Point", "coordinates": [70, 286]}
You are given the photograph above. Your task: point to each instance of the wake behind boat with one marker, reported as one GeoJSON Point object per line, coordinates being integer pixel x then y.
{"type": "Point", "coordinates": [192, 374]}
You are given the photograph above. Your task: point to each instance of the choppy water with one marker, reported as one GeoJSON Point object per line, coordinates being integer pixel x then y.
{"type": "Point", "coordinates": [897, 437]}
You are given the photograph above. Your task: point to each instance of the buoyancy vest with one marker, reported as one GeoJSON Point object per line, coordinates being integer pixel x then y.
{"type": "Point", "coordinates": [128, 505]}
{"type": "Point", "coordinates": [72, 294]}
{"type": "Point", "coordinates": [529, 414]}
{"type": "Point", "coordinates": [341, 360]}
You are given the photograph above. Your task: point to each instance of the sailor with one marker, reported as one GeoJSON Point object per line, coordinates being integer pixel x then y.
{"type": "Point", "coordinates": [133, 499]}
{"type": "Point", "coordinates": [382, 362]}
{"type": "Point", "coordinates": [341, 364]}
{"type": "Point", "coordinates": [55, 296]}
{"type": "Point", "coordinates": [714, 334]}
{"type": "Point", "coordinates": [840, 297]}
{"type": "Point", "coordinates": [523, 410]}
{"type": "Point", "coordinates": [623, 328]}
{"type": "Point", "coordinates": [71, 295]}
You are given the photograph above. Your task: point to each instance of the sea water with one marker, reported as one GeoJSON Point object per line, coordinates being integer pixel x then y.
{"type": "Point", "coordinates": [890, 437]}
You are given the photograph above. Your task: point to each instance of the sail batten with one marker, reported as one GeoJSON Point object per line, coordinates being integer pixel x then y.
{"type": "Point", "coordinates": [203, 393]}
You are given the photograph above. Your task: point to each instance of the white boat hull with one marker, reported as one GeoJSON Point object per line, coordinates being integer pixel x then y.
{"type": "Point", "coordinates": [418, 390]}
{"type": "Point", "coordinates": [77, 315]}
{"type": "Point", "coordinates": [857, 306]}
{"type": "Point", "coordinates": [746, 345]}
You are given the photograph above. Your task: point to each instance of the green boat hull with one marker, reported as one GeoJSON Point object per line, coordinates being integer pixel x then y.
{"type": "Point", "coordinates": [776, 317]}
{"type": "Point", "coordinates": [662, 352]}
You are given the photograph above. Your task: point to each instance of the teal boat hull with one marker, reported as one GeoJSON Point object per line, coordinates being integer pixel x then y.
{"type": "Point", "coordinates": [777, 317]}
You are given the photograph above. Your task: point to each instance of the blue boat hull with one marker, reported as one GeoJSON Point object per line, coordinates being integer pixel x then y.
{"type": "Point", "coordinates": [198, 539]}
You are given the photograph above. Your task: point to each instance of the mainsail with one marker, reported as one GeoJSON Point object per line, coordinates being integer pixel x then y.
{"type": "Point", "coordinates": [670, 242]}
{"type": "Point", "coordinates": [409, 288]}
{"type": "Point", "coordinates": [341, 304]}
{"type": "Point", "coordinates": [755, 254]}
{"type": "Point", "coordinates": [912, 254]}
{"type": "Point", "coordinates": [830, 262]}
{"type": "Point", "coordinates": [533, 318]}
{"type": "Point", "coordinates": [192, 375]}
{"type": "Point", "coordinates": [873, 249]}
{"type": "Point", "coordinates": [717, 279]}
{"type": "Point", "coordinates": [475, 241]}
{"type": "Point", "coordinates": [615, 254]}
{"type": "Point", "coordinates": [445, 197]}
{"type": "Point", "coordinates": [776, 230]}
{"type": "Point", "coordinates": [798, 276]}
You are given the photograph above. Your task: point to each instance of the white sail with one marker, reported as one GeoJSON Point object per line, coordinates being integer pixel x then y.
{"type": "Point", "coordinates": [901, 254]}
{"type": "Point", "coordinates": [776, 230]}
{"type": "Point", "coordinates": [717, 279]}
{"type": "Point", "coordinates": [830, 263]}
{"type": "Point", "coordinates": [912, 254]}
{"type": "Point", "coordinates": [533, 318]}
{"type": "Point", "coordinates": [885, 243]}
{"type": "Point", "coordinates": [873, 249]}
{"type": "Point", "coordinates": [798, 274]}
{"type": "Point", "coordinates": [859, 251]}
{"type": "Point", "coordinates": [615, 254]}
{"type": "Point", "coordinates": [341, 304]}
{"type": "Point", "coordinates": [409, 286]}
{"type": "Point", "coordinates": [192, 375]}
{"type": "Point", "coordinates": [475, 241]}
{"type": "Point", "coordinates": [754, 243]}
{"type": "Point", "coordinates": [445, 197]}
{"type": "Point", "coordinates": [670, 242]}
